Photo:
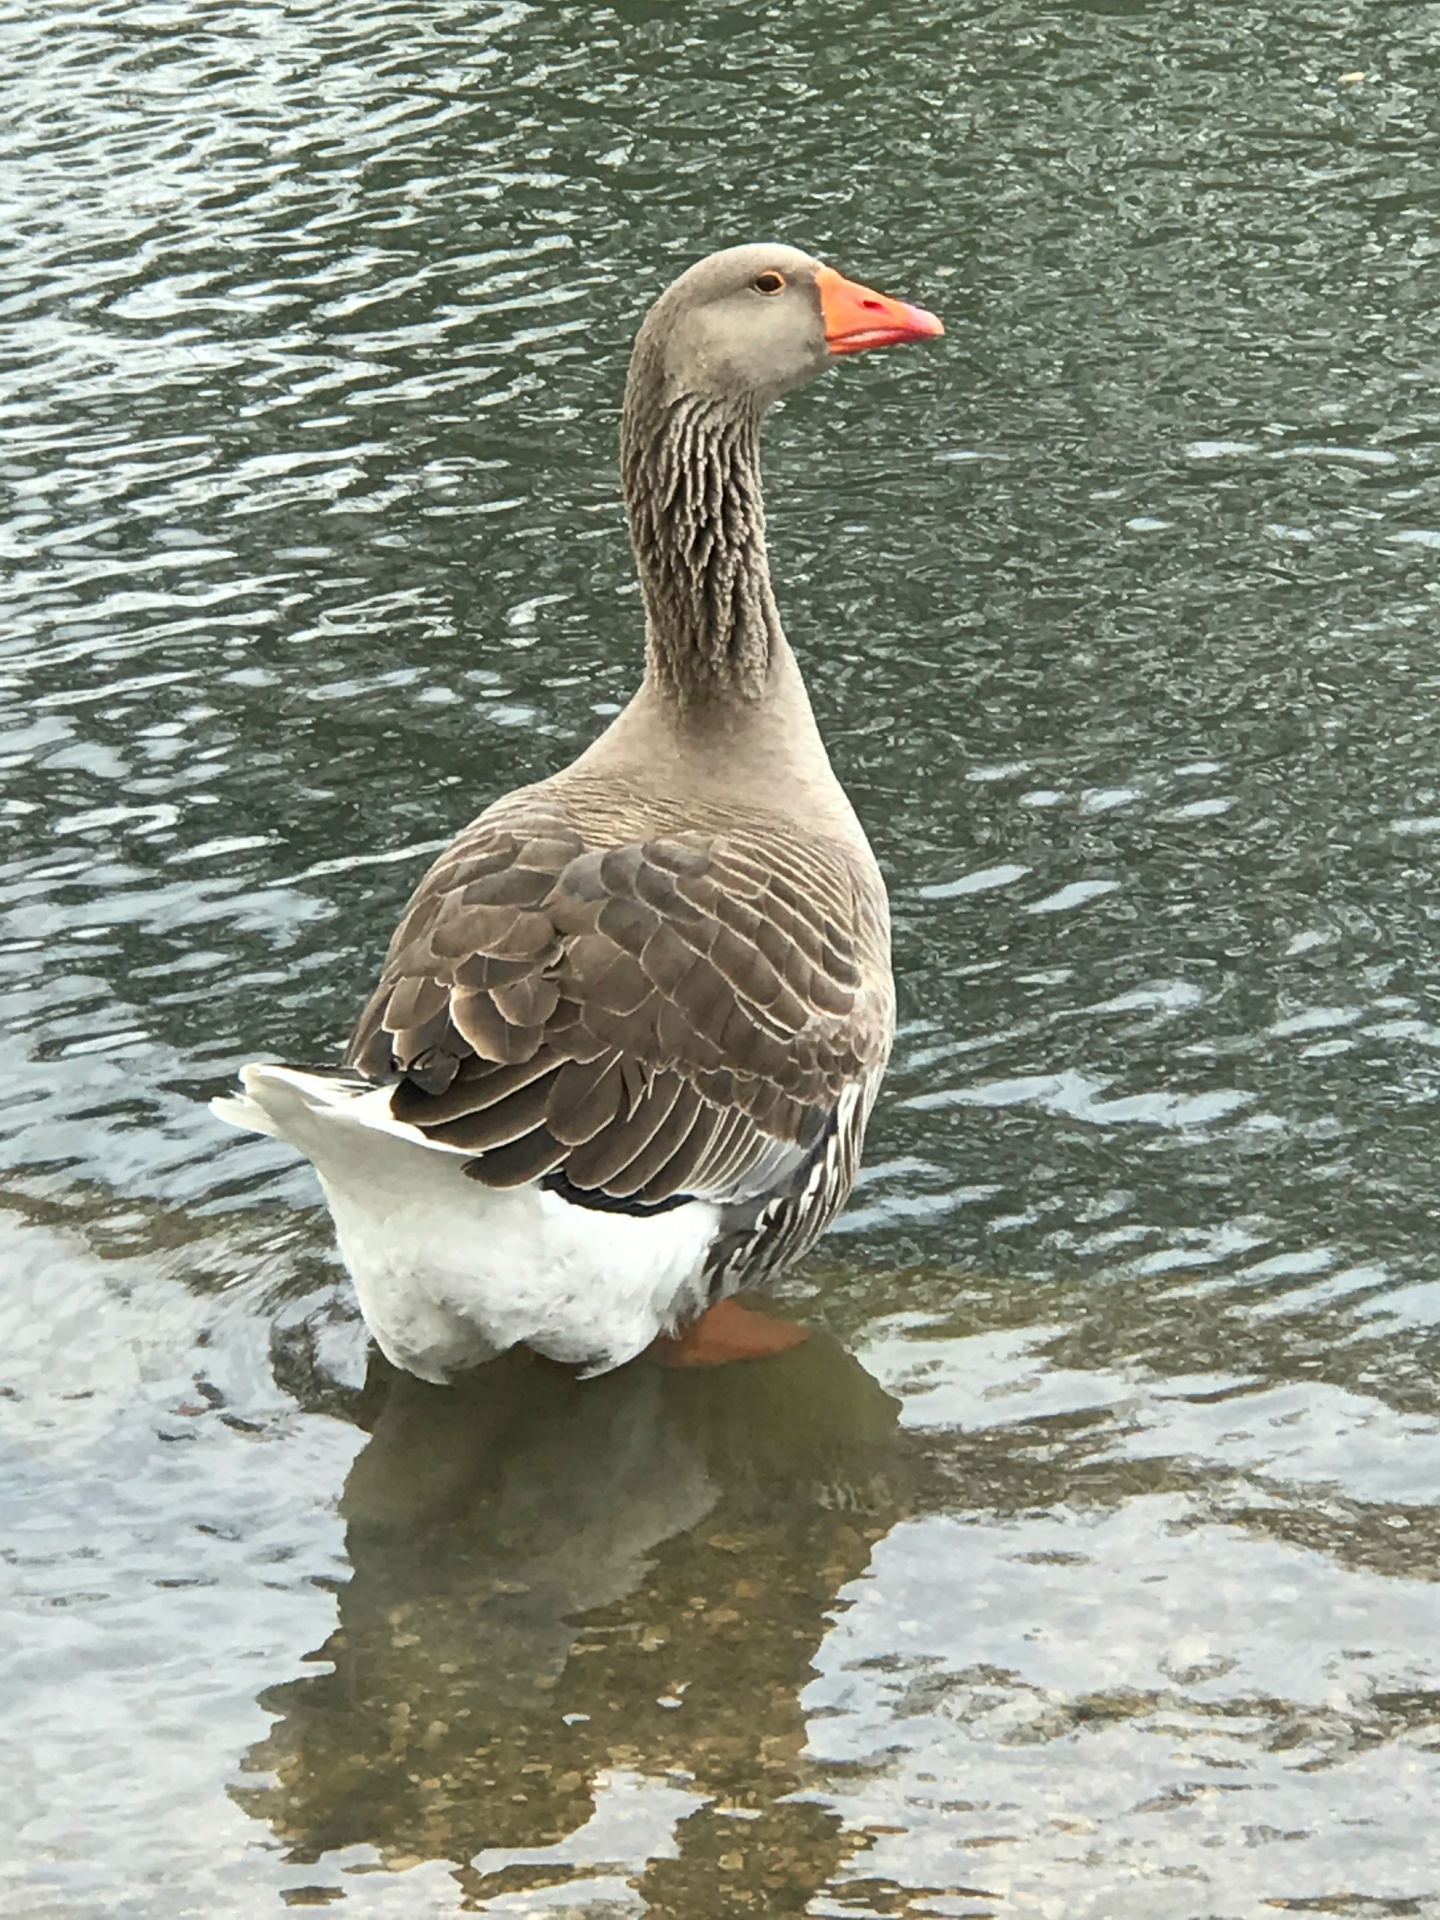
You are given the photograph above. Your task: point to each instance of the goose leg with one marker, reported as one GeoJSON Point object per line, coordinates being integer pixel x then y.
{"type": "Point", "coordinates": [725, 1332]}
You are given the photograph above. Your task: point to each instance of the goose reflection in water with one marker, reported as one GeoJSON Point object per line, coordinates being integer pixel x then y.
{"type": "Point", "coordinates": [589, 1606]}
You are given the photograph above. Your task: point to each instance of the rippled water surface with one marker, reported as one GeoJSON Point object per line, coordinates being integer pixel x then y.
{"type": "Point", "coordinates": [1085, 1560]}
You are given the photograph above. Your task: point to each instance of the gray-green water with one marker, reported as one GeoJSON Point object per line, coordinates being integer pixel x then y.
{"type": "Point", "coordinates": [1085, 1561]}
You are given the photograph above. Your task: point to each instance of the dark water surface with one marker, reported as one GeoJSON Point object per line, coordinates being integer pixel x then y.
{"type": "Point", "coordinates": [1085, 1561]}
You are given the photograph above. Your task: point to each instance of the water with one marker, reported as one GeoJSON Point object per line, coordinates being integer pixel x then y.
{"type": "Point", "coordinates": [1085, 1560]}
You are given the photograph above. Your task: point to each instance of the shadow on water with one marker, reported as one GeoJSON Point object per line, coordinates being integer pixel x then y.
{"type": "Point", "coordinates": [984, 1612]}
{"type": "Point", "coordinates": [581, 1617]}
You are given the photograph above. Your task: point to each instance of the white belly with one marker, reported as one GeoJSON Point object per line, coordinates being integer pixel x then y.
{"type": "Point", "coordinates": [449, 1272]}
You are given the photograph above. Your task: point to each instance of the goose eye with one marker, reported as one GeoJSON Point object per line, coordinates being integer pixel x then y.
{"type": "Point", "coordinates": [768, 282]}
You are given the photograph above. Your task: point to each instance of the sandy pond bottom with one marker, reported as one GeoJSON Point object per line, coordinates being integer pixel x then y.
{"type": "Point", "coordinates": [933, 1616]}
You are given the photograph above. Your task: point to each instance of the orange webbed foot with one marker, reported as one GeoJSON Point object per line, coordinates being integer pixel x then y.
{"type": "Point", "coordinates": [725, 1332]}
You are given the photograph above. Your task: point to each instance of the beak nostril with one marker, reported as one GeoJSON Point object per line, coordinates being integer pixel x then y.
{"type": "Point", "coordinates": [874, 305]}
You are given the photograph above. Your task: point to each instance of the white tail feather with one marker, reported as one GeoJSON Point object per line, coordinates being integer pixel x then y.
{"type": "Point", "coordinates": [290, 1104]}
{"type": "Point", "coordinates": [449, 1271]}
{"type": "Point", "coordinates": [243, 1112]}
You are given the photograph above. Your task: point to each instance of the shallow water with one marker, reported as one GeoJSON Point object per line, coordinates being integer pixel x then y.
{"type": "Point", "coordinates": [1085, 1560]}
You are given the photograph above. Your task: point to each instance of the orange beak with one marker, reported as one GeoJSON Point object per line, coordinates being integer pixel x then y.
{"type": "Point", "coordinates": [856, 318]}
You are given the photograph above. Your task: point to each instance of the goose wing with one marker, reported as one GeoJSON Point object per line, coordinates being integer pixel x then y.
{"type": "Point", "coordinates": [640, 1023]}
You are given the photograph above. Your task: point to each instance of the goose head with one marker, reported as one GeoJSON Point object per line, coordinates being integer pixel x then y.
{"type": "Point", "coordinates": [746, 325]}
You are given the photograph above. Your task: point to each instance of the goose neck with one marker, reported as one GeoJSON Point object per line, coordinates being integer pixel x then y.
{"type": "Point", "coordinates": [691, 467]}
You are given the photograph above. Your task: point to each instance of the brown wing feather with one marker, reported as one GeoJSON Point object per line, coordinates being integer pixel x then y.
{"type": "Point", "coordinates": [667, 1015]}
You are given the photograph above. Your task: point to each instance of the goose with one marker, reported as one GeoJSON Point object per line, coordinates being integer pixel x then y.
{"type": "Point", "coordinates": [632, 1023]}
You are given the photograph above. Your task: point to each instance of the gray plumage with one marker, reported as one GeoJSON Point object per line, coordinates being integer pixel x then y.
{"type": "Point", "coordinates": [657, 973]}
{"type": "Point", "coordinates": [632, 1022]}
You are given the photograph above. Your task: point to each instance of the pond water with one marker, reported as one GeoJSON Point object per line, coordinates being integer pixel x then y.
{"type": "Point", "coordinates": [1085, 1560]}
